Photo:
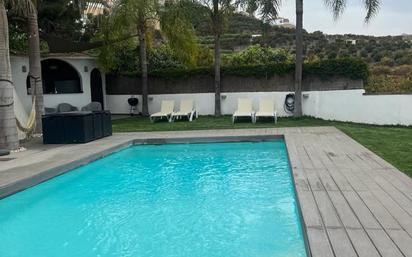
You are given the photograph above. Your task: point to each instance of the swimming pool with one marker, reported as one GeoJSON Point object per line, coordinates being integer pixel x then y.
{"type": "Point", "coordinates": [173, 200]}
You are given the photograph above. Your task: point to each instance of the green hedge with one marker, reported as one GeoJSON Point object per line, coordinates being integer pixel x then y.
{"type": "Point", "coordinates": [350, 68]}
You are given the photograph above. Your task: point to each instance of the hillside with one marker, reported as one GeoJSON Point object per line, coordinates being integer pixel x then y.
{"type": "Point", "coordinates": [242, 31]}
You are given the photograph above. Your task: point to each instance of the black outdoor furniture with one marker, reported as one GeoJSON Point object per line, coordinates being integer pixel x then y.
{"type": "Point", "coordinates": [76, 127]}
{"type": "Point", "coordinates": [53, 129]}
{"type": "Point", "coordinates": [97, 124]}
{"type": "Point", "coordinates": [107, 123]}
{"type": "Point", "coordinates": [49, 110]}
{"type": "Point", "coordinates": [4, 152]}
{"type": "Point", "coordinates": [65, 107]}
{"type": "Point", "coordinates": [92, 107]}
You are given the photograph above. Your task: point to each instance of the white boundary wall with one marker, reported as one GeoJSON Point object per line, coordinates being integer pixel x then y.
{"type": "Point", "coordinates": [340, 105]}
{"type": "Point", "coordinates": [353, 106]}
{"type": "Point", "coordinates": [204, 102]}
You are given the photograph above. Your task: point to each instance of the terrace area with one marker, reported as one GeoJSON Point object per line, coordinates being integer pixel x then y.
{"type": "Point", "coordinates": [353, 202]}
{"type": "Point", "coordinates": [113, 116]}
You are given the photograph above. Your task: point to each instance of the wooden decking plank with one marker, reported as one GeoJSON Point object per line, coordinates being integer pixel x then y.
{"type": "Point", "coordinates": [320, 169]}
{"type": "Point", "coordinates": [326, 209]}
{"type": "Point", "coordinates": [404, 185]}
{"type": "Point", "coordinates": [309, 209]}
{"type": "Point", "coordinates": [314, 180]}
{"type": "Point", "coordinates": [346, 193]}
{"type": "Point", "coordinates": [345, 213]}
{"type": "Point", "coordinates": [319, 243]}
{"type": "Point", "coordinates": [402, 240]}
{"type": "Point", "coordinates": [379, 211]}
{"type": "Point", "coordinates": [341, 244]}
{"type": "Point", "coordinates": [384, 244]}
{"type": "Point", "coordinates": [353, 180]}
{"type": "Point", "coordinates": [363, 213]}
{"type": "Point", "coordinates": [363, 245]}
{"type": "Point", "coordinates": [399, 214]}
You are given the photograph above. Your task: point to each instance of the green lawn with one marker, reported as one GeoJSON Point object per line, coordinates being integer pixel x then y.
{"type": "Point", "coordinates": [392, 143]}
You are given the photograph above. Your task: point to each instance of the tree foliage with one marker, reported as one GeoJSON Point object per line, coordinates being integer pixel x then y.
{"type": "Point", "coordinates": [167, 27]}
{"type": "Point", "coordinates": [257, 54]}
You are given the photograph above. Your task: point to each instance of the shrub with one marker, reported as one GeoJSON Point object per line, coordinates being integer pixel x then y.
{"type": "Point", "coordinates": [385, 79]}
{"type": "Point", "coordinates": [258, 55]}
{"type": "Point", "coordinates": [351, 68]}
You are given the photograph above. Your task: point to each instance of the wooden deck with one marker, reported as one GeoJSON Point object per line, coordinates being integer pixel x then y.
{"type": "Point", "coordinates": [353, 202]}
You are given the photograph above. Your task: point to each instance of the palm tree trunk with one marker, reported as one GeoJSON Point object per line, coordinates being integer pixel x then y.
{"type": "Point", "coordinates": [143, 67]}
{"type": "Point", "coordinates": [36, 85]}
{"type": "Point", "coordinates": [299, 58]}
{"type": "Point", "coordinates": [216, 20]}
{"type": "Point", "coordinates": [8, 128]}
{"type": "Point", "coordinates": [218, 111]}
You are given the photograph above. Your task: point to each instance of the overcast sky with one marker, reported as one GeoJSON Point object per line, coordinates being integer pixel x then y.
{"type": "Point", "coordinates": [394, 17]}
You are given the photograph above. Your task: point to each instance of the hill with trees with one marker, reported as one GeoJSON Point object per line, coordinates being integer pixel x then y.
{"type": "Point", "coordinates": [389, 58]}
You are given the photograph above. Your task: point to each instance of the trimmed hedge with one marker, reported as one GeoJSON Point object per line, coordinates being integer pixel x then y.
{"type": "Point", "coordinates": [325, 69]}
{"type": "Point", "coordinates": [347, 67]}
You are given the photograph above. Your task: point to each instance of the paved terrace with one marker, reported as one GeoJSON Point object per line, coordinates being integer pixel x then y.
{"type": "Point", "coordinates": [353, 202]}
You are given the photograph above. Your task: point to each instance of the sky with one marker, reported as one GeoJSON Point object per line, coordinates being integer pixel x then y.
{"type": "Point", "coordinates": [393, 18]}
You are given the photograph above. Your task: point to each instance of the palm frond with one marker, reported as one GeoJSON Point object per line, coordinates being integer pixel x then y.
{"type": "Point", "coordinates": [336, 6]}
{"type": "Point", "coordinates": [267, 9]}
{"type": "Point", "coordinates": [372, 7]}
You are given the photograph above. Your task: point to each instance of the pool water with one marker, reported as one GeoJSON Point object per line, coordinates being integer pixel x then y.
{"type": "Point", "coordinates": [177, 200]}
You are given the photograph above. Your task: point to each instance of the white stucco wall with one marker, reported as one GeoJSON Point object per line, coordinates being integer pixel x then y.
{"type": "Point", "coordinates": [52, 100]}
{"type": "Point", "coordinates": [204, 102]}
{"type": "Point", "coordinates": [353, 106]}
{"type": "Point", "coordinates": [340, 105]}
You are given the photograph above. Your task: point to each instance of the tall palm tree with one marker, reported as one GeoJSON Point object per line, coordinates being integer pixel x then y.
{"type": "Point", "coordinates": [8, 128]}
{"type": "Point", "coordinates": [218, 12]}
{"type": "Point", "coordinates": [337, 7]}
{"type": "Point", "coordinates": [142, 17]}
{"type": "Point", "coordinates": [27, 10]}
{"type": "Point", "coordinates": [36, 84]}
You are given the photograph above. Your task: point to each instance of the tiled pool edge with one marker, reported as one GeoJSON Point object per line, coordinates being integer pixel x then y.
{"type": "Point", "coordinates": [299, 207]}
{"type": "Point", "coordinates": [47, 174]}
{"type": "Point", "coordinates": [51, 173]}
{"type": "Point", "coordinates": [67, 167]}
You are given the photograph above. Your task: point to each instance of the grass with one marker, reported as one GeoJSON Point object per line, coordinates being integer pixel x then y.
{"type": "Point", "coordinates": [393, 143]}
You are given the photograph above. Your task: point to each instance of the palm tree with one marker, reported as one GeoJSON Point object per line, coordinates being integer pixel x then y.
{"type": "Point", "coordinates": [218, 12]}
{"type": "Point", "coordinates": [337, 7]}
{"type": "Point", "coordinates": [8, 128]}
{"type": "Point", "coordinates": [36, 85]}
{"type": "Point", "coordinates": [27, 10]}
{"type": "Point", "coordinates": [142, 17]}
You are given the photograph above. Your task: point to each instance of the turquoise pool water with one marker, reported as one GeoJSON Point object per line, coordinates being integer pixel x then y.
{"type": "Point", "coordinates": [178, 200]}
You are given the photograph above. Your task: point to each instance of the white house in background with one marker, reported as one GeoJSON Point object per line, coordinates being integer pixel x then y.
{"type": "Point", "coordinates": [74, 79]}
{"type": "Point", "coordinates": [351, 41]}
{"type": "Point", "coordinates": [284, 23]}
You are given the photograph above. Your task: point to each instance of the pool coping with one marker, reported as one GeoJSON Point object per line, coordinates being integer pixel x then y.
{"type": "Point", "coordinates": [49, 174]}
{"type": "Point", "coordinates": [46, 174]}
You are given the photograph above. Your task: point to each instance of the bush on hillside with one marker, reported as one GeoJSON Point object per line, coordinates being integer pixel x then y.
{"type": "Point", "coordinates": [258, 55]}
{"type": "Point", "coordinates": [386, 79]}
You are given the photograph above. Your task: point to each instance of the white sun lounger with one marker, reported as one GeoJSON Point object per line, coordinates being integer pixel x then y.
{"type": "Point", "coordinates": [266, 109]}
{"type": "Point", "coordinates": [186, 110]}
{"type": "Point", "coordinates": [166, 111]}
{"type": "Point", "coordinates": [244, 109]}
